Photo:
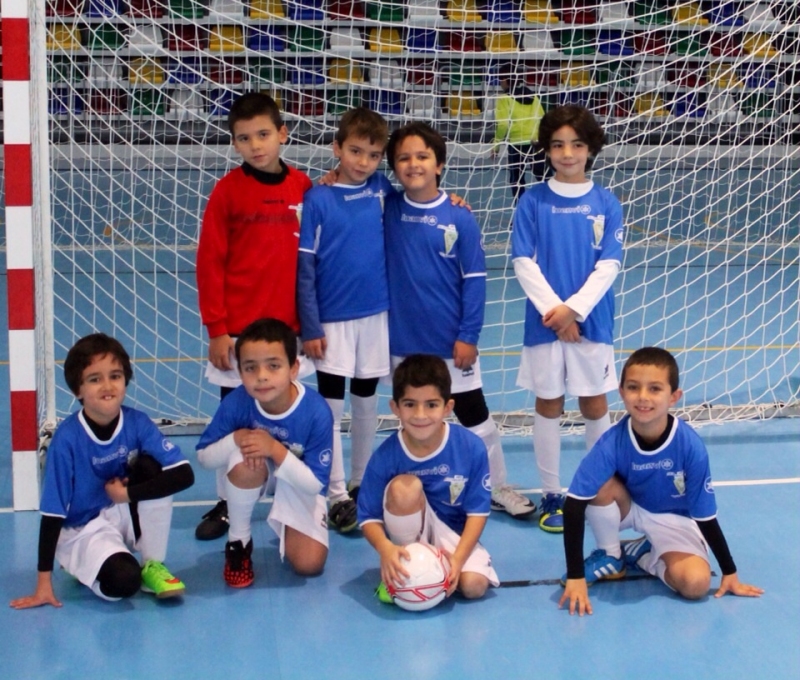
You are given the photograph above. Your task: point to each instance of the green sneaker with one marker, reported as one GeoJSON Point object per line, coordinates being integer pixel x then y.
{"type": "Point", "coordinates": [156, 579]}
{"type": "Point", "coordinates": [382, 593]}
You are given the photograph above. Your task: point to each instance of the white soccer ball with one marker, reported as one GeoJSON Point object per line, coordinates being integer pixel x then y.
{"type": "Point", "coordinates": [428, 578]}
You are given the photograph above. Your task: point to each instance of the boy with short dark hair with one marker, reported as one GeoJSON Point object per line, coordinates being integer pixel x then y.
{"type": "Point", "coordinates": [649, 472]}
{"type": "Point", "coordinates": [428, 482]}
{"type": "Point", "coordinates": [109, 480]}
{"type": "Point", "coordinates": [247, 253]}
{"type": "Point", "coordinates": [437, 288]}
{"type": "Point", "coordinates": [272, 435]}
{"type": "Point", "coordinates": [567, 250]}
{"type": "Point", "coordinates": [342, 295]}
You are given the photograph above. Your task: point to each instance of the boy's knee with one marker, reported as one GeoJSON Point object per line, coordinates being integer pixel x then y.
{"type": "Point", "coordinates": [593, 408]}
{"type": "Point", "coordinates": [550, 408]}
{"type": "Point", "coordinates": [404, 494]}
{"type": "Point", "coordinates": [691, 578]}
{"type": "Point", "coordinates": [472, 586]}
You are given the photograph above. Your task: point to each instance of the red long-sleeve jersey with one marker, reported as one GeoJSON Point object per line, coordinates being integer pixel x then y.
{"type": "Point", "coordinates": [247, 255]}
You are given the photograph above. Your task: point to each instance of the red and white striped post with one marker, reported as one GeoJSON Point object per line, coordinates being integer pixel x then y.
{"type": "Point", "coordinates": [17, 169]}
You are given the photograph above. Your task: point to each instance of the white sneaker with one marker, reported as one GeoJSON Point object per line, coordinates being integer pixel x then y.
{"type": "Point", "coordinates": [514, 503]}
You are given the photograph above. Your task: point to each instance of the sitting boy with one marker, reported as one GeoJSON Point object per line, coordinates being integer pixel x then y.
{"type": "Point", "coordinates": [428, 482]}
{"type": "Point", "coordinates": [108, 486]}
{"type": "Point", "coordinates": [650, 473]}
{"type": "Point", "coordinates": [273, 431]}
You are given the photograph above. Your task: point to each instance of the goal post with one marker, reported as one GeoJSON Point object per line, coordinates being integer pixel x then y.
{"type": "Point", "coordinates": [700, 101]}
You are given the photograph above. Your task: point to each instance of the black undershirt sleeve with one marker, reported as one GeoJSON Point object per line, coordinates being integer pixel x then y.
{"type": "Point", "coordinates": [166, 483]}
{"type": "Point", "coordinates": [712, 533]}
{"type": "Point", "coordinates": [49, 531]}
{"type": "Point", "coordinates": [574, 519]}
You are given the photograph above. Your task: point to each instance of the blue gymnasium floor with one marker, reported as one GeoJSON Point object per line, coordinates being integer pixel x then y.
{"type": "Point", "coordinates": [333, 627]}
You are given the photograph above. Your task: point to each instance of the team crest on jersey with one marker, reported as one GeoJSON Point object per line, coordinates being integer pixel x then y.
{"type": "Point", "coordinates": [487, 482]}
{"type": "Point", "coordinates": [457, 484]}
{"type": "Point", "coordinates": [679, 480]}
{"type": "Point", "coordinates": [167, 445]}
{"type": "Point", "coordinates": [325, 457]}
{"type": "Point", "coordinates": [132, 456]}
{"type": "Point", "coordinates": [296, 449]}
{"type": "Point", "coordinates": [709, 485]}
{"type": "Point", "coordinates": [598, 228]}
{"type": "Point", "coordinates": [450, 237]}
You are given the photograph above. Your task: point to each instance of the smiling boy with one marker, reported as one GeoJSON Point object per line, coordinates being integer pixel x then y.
{"type": "Point", "coordinates": [272, 435]}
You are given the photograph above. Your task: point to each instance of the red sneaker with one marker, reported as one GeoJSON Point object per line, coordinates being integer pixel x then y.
{"type": "Point", "coordinates": [238, 565]}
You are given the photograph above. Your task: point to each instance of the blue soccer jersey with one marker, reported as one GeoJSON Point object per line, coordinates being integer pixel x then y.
{"type": "Point", "coordinates": [437, 276]}
{"type": "Point", "coordinates": [455, 477]}
{"type": "Point", "coordinates": [342, 266]}
{"type": "Point", "coordinates": [79, 464]}
{"type": "Point", "coordinates": [306, 429]}
{"type": "Point", "coordinates": [567, 237]}
{"type": "Point", "coordinates": [675, 478]}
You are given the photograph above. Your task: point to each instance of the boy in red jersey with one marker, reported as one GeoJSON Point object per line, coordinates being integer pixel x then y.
{"type": "Point", "coordinates": [247, 255]}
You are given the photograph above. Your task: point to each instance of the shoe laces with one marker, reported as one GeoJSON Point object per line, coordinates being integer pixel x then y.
{"type": "Point", "coordinates": [552, 502]}
{"type": "Point", "coordinates": [219, 511]}
{"type": "Point", "coordinates": [507, 495]}
{"type": "Point", "coordinates": [157, 569]}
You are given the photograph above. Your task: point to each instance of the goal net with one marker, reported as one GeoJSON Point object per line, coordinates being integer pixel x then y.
{"type": "Point", "coordinates": [700, 101]}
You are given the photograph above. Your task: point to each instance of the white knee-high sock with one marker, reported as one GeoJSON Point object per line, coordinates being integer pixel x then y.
{"type": "Point", "coordinates": [594, 430]}
{"type": "Point", "coordinates": [337, 487]}
{"type": "Point", "coordinates": [547, 450]}
{"type": "Point", "coordinates": [155, 518]}
{"type": "Point", "coordinates": [222, 476]}
{"type": "Point", "coordinates": [240, 511]}
{"type": "Point", "coordinates": [403, 529]}
{"type": "Point", "coordinates": [604, 521]}
{"type": "Point", "coordinates": [490, 435]}
{"type": "Point", "coordinates": [363, 426]}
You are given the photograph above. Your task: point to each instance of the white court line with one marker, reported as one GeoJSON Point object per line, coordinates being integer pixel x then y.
{"type": "Point", "coordinates": [743, 482]}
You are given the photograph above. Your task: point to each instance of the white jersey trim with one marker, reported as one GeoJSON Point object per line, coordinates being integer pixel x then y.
{"type": "Point", "coordinates": [439, 449]}
{"type": "Point", "coordinates": [430, 204]}
{"type": "Point", "coordinates": [301, 390]}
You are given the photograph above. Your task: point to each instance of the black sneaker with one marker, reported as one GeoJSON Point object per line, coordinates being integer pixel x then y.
{"type": "Point", "coordinates": [343, 516]}
{"type": "Point", "coordinates": [214, 524]}
{"type": "Point", "coordinates": [238, 571]}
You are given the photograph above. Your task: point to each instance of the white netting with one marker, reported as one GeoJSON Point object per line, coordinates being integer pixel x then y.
{"type": "Point", "coordinates": [701, 102]}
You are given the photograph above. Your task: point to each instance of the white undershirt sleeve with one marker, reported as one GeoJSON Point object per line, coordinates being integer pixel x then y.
{"type": "Point", "coordinates": [535, 285]}
{"type": "Point", "coordinates": [599, 281]}
{"type": "Point", "coordinates": [216, 455]}
{"type": "Point", "coordinates": [295, 473]}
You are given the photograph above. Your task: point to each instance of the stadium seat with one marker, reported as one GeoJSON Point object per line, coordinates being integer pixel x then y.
{"type": "Point", "coordinates": [462, 11]}
{"type": "Point", "coordinates": [266, 38]}
{"type": "Point", "coordinates": [145, 39]}
{"type": "Point", "coordinates": [724, 108]}
{"type": "Point", "coordinates": [146, 101]}
{"type": "Point", "coordinates": [654, 43]}
{"type": "Point", "coordinates": [651, 13]}
{"type": "Point", "coordinates": [757, 104]}
{"type": "Point", "coordinates": [463, 106]}
{"type": "Point", "coordinates": [64, 8]}
{"type": "Point", "coordinates": [63, 101]}
{"type": "Point", "coordinates": [687, 74]}
{"type": "Point", "coordinates": [540, 43]}
{"type": "Point", "coordinates": [305, 10]}
{"type": "Point", "coordinates": [265, 73]}
{"type": "Point", "coordinates": [464, 75]}
{"type": "Point", "coordinates": [421, 73]}
{"type": "Point", "coordinates": [615, 43]}
{"type": "Point", "coordinates": [341, 101]}
{"type": "Point", "coordinates": [423, 8]}
{"type": "Point", "coordinates": [502, 11]}
{"type": "Point", "coordinates": [307, 71]}
{"type": "Point", "coordinates": [387, 75]}
{"type": "Point", "coordinates": [725, 76]}
{"type": "Point", "coordinates": [420, 106]}
{"type": "Point", "coordinates": [618, 73]}
{"type": "Point", "coordinates": [388, 11]}
{"type": "Point", "coordinates": [689, 14]}
{"type": "Point", "coordinates": [225, 72]}
{"type": "Point", "coordinates": [221, 101]}
{"type": "Point", "coordinates": [187, 70]}
{"type": "Point", "coordinates": [305, 39]}
{"type": "Point", "coordinates": [102, 8]}
{"type": "Point", "coordinates": [724, 13]}
{"type": "Point", "coordinates": [650, 104]}
{"type": "Point", "coordinates": [688, 104]}
{"type": "Point", "coordinates": [267, 9]}
{"type": "Point", "coordinates": [345, 71]}
{"type": "Point", "coordinates": [145, 8]}
{"type": "Point", "coordinates": [576, 75]}
{"type": "Point", "coordinates": [457, 41]}
{"type": "Point", "coordinates": [226, 9]}
{"type": "Point", "coordinates": [227, 39]}
{"type": "Point", "coordinates": [759, 76]}
{"type": "Point", "coordinates": [539, 12]}
{"type": "Point", "coordinates": [759, 16]}
{"type": "Point", "coordinates": [759, 45]}
{"type": "Point", "coordinates": [690, 44]}
{"type": "Point", "coordinates": [187, 9]}
{"type": "Point", "coordinates": [105, 37]}
{"type": "Point", "coordinates": [107, 102]}
{"type": "Point", "coordinates": [615, 14]}
{"type": "Point", "coordinates": [145, 71]}
{"type": "Point", "coordinates": [575, 42]}
{"type": "Point", "coordinates": [501, 41]}
{"type": "Point", "coordinates": [422, 40]}
{"type": "Point", "coordinates": [186, 38]}
{"type": "Point", "coordinates": [346, 9]}
{"type": "Point", "coordinates": [346, 39]}
{"type": "Point", "coordinates": [62, 38]}
{"type": "Point", "coordinates": [577, 12]}
{"type": "Point", "coordinates": [725, 44]}
{"type": "Point", "coordinates": [387, 102]}
{"type": "Point", "coordinates": [384, 40]}
{"type": "Point", "coordinates": [61, 69]}
{"type": "Point", "coordinates": [186, 105]}
{"type": "Point", "coordinates": [105, 72]}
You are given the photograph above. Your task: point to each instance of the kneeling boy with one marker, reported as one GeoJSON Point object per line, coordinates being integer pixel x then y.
{"type": "Point", "coordinates": [428, 482]}
{"type": "Point", "coordinates": [108, 486]}
{"type": "Point", "coordinates": [272, 434]}
{"type": "Point", "coordinates": [649, 473]}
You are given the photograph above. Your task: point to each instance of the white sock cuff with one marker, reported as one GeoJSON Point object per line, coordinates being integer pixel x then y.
{"type": "Point", "coordinates": [403, 529]}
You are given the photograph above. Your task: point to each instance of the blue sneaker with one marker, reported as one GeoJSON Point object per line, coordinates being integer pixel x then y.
{"type": "Point", "coordinates": [600, 566]}
{"type": "Point", "coordinates": [633, 551]}
{"type": "Point", "coordinates": [551, 519]}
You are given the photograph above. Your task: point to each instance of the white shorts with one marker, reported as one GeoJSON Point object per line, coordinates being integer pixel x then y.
{"type": "Point", "coordinates": [231, 378]}
{"type": "Point", "coordinates": [302, 512]}
{"type": "Point", "coordinates": [437, 533]}
{"type": "Point", "coordinates": [583, 369]}
{"type": "Point", "coordinates": [83, 550]}
{"type": "Point", "coordinates": [358, 348]}
{"type": "Point", "coordinates": [462, 380]}
{"type": "Point", "coordinates": [667, 532]}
